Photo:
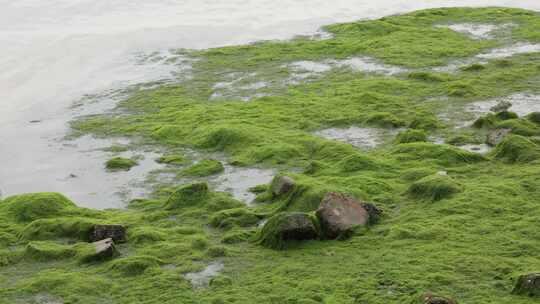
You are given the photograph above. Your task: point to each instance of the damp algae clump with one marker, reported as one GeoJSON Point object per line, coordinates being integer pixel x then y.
{"type": "Point", "coordinates": [34, 206]}
{"type": "Point", "coordinates": [434, 187]}
{"type": "Point", "coordinates": [205, 167]}
{"type": "Point", "coordinates": [120, 164]}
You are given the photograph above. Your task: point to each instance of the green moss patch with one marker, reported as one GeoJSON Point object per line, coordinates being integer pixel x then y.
{"type": "Point", "coordinates": [29, 207]}
{"type": "Point", "coordinates": [434, 187]}
{"type": "Point", "coordinates": [205, 167]}
{"type": "Point", "coordinates": [120, 163]}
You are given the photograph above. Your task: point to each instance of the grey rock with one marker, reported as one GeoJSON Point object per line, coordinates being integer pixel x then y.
{"type": "Point", "coordinates": [339, 214]}
{"type": "Point", "coordinates": [282, 185]}
{"type": "Point", "coordinates": [101, 232]}
{"type": "Point", "coordinates": [495, 137]}
{"type": "Point", "coordinates": [528, 285]}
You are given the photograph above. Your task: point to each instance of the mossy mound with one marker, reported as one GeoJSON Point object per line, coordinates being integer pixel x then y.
{"type": "Point", "coordinates": [410, 136]}
{"type": "Point", "coordinates": [385, 120]}
{"type": "Point", "coordinates": [171, 159]}
{"type": "Point", "coordinates": [146, 234]}
{"type": "Point", "coordinates": [283, 228]}
{"type": "Point", "coordinates": [237, 236]}
{"type": "Point", "coordinates": [62, 227]}
{"type": "Point", "coordinates": [443, 154]}
{"type": "Point", "coordinates": [205, 167]}
{"type": "Point", "coordinates": [434, 187]}
{"type": "Point", "coordinates": [520, 127]}
{"type": "Point", "coordinates": [534, 117]}
{"type": "Point", "coordinates": [120, 163]}
{"type": "Point", "coordinates": [516, 149]}
{"type": "Point", "coordinates": [29, 207]}
{"type": "Point", "coordinates": [135, 265]}
{"type": "Point", "coordinates": [241, 217]}
{"type": "Point", "coordinates": [188, 195]}
{"type": "Point", "coordinates": [44, 251]}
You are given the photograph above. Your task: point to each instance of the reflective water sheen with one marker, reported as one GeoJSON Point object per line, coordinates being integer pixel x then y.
{"type": "Point", "coordinates": [55, 52]}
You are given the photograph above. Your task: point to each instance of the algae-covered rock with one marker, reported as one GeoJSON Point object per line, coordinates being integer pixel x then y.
{"type": "Point", "coordinates": [63, 227]}
{"type": "Point", "coordinates": [33, 206]}
{"type": "Point", "coordinates": [205, 167]}
{"type": "Point", "coordinates": [516, 149]}
{"type": "Point", "coordinates": [534, 117]}
{"type": "Point", "coordinates": [237, 236]}
{"type": "Point", "coordinates": [443, 154]}
{"type": "Point", "coordinates": [146, 234]}
{"type": "Point", "coordinates": [284, 227]}
{"type": "Point", "coordinates": [282, 185]}
{"type": "Point", "coordinates": [503, 105]}
{"type": "Point", "coordinates": [496, 136]}
{"type": "Point", "coordinates": [339, 214]}
{"type": "Point", "coordinates": [434, 187]}
{"type": "Point", "coordinates": [411, 135]}
{"type": "Point", "coordinates": [101, 232]}
{"type": "Point", "coordinates": [429, 298]}
{"type": "Point", "coordinates": [44, 251]}
{"type": "Point", "coordinates": [171, 159]}
{"type": "Point", "coordinates": [135, 265]}
{"type": "Point", "coordinates": [528, 285]}
{"type": "Point", "coordinates": [241, 217]}
{"type": "Point", "coordinates": [120, 163]}
{"type": "Point", "coordinates": [188, 195]}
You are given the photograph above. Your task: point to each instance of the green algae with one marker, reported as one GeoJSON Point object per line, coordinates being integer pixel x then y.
{"type": "Point", "coordinates": [205, 167]}
{"type": "Point", "coordinates": [434, 187]}
{"type": "Point", "coordinates": [120, 163]}
{"type": "Point", "coordinates": [480, 233]}
{"type": "Point", "coordinates": [172, 159]}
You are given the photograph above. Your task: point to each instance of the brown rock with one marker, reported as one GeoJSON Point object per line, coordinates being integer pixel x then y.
{"type": "Point", "coordinates": [496, 136]}
{"type": "Point", "coordinates": [528, 285]}
{"type": "Point", "coordinates": [282, 185]}
{"type": "Point", "coordinates": [339, 214]}
{"type": "Point", "coordinates": [101, 232]}
{"type": "Point", "coordinates": [429, 298]}
{"type": "Point", "coordinates": [105, 249]}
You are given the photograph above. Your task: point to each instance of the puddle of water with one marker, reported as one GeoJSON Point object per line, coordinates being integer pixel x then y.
{"type": "Point", "coordinates": [509, 51]}
{"type": "Point", "coordinates": [365, 138]}
{"type": "Point", "coordinates": [522, 104]}
{"type": "Point", "coordinates": [238, 181]}
{"type": "Point", "coordinates": [496, 53]}
{"type": "Point", "coordinates": [78, 171]}
{"type": "Point", "coordinates": [370, 65]}
{"type": "Point", "coordinates": [475, 30]}
{"type": "Point", "coordinates": [476, 148]}
{"type": "Point", "coordinates": [45, 298]}
{"type": "Point", "coordinates": [202, 278]}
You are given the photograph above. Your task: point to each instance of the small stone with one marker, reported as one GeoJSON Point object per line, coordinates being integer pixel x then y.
{"type": "Point", "coordinates": [501, 106]}
{"type": "Point", "coordinates": [528, 285]}
{"type": "Point", "coordinates": [105, 249]}
{"type": "Point", "coordinates": [429, 298]}
{"type": "Point", "coordinates": [282, 185]}
{"type": "Point", "coordinates": [101, 232]}
{"type": "Point", "coordinates": [496, 136]}
{"type": "Point", "coordinates": [339, 214]}
{"type": "Point", "coordinates": [284, 227]}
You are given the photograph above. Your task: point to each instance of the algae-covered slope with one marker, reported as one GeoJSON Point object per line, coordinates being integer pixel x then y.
{"type": "Point", "coordinates": [390, 112]}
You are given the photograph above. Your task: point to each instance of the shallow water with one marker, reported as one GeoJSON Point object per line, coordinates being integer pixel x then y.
{"type": "Point", "coordinates": [475, 30]}
{"type": "Point", "coordinates": [364, 138]}
{"type": "Point", "coordinates": [56, 52]}
{"type": "Point", "coordinates": [238, 181]}
{"type": "Point", "coordinates": [522, 104]}
{"type": "Point", "coordinates": [496, 53]}
{"type": "Point", "coordinates": [202, 278]}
